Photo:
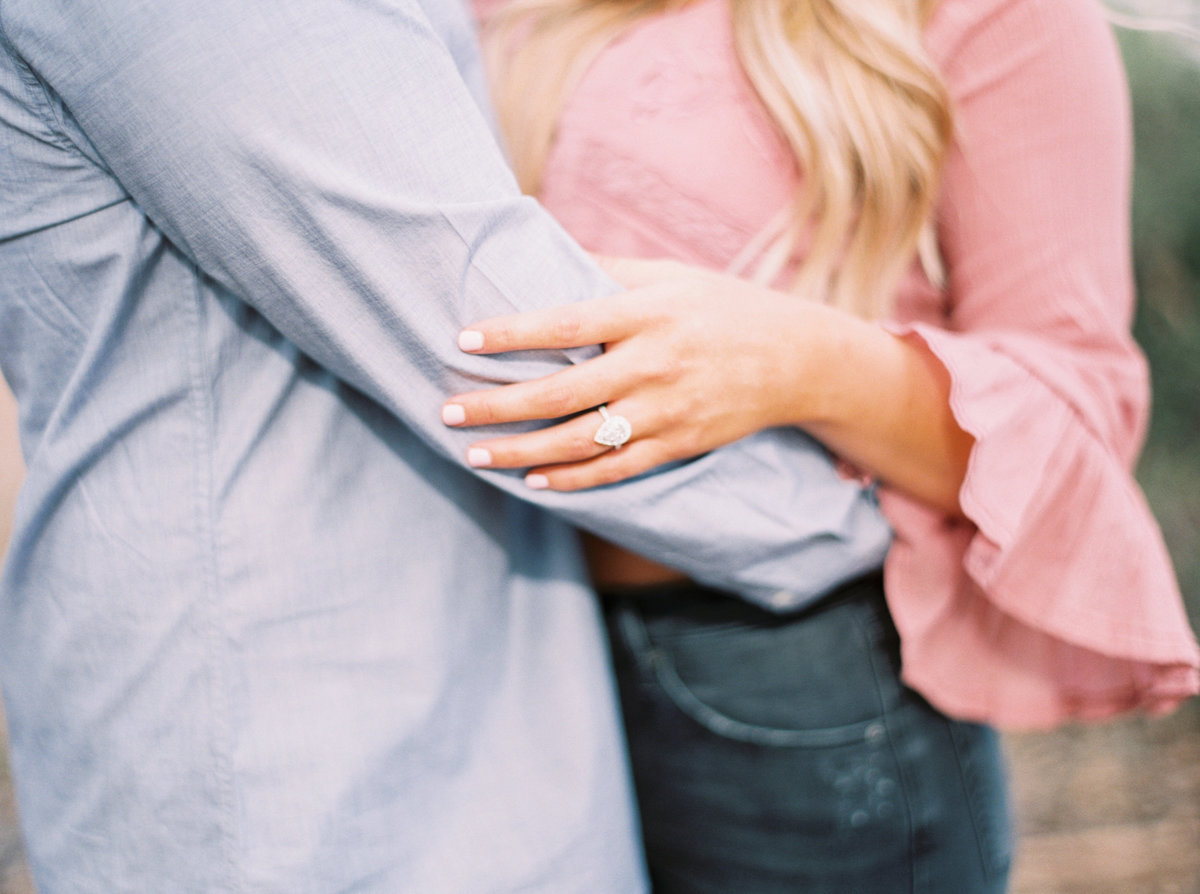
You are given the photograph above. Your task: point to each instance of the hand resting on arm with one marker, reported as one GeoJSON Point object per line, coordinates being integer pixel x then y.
{"type": "Point", "coordinates": [695, 360]}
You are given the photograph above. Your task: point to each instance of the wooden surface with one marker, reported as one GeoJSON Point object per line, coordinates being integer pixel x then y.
{"type": "Point", "coordinates": [1111, 809]}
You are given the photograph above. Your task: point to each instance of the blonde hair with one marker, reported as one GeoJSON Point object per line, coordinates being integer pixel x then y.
{"type": "Point", "coordinates": [850, 87]}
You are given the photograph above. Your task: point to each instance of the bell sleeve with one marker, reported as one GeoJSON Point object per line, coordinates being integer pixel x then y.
{"type": "Point", "coordinates": [1054, 599]}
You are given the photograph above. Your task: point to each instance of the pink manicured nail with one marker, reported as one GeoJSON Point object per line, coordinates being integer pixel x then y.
{"type": "Point", "coordinates": [537, 482]}
{"type": "Point", "coordinates": [454, 414]}
{"type": "Point", "coordinates": [478, 457]}
{"type": "Point", "coordinates": [470, 340]}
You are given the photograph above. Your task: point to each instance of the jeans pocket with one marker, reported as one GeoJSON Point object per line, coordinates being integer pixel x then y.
{"type": "Point", "coordinates": [823, 678]}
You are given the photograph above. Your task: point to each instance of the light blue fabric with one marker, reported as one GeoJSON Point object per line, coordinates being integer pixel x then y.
{"type": "Point", "coordinates": [260, 630]}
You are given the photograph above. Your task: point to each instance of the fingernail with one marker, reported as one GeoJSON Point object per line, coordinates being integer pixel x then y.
{"type": "Point", "coordinates": [478, 457]}
{"type": "Point", "coordinates": [537, 482]}
{"type": "Point", "coordinates": [454, 414]}
{"type": "Point", "coordinates": [470, 340]}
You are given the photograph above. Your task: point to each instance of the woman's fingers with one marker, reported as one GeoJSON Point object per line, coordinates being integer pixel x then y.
{"type": "Point", "coordinates": [607, 468]}
{"type": "Point", "coordinates": [595, 321]}
{"type": "Point", "coordinates": [567, 457]}
{"type": "Point", "coordinates": [570, 390]}
{"type": "Point", "coordinates": [567, 442]}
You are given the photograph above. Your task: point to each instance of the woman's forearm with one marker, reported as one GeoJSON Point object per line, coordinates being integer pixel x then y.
{"type": "Point", "coordinates": [882, 403]}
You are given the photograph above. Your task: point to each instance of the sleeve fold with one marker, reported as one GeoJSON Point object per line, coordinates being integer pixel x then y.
{"type": "Point", "coordinates": [1056, 599]}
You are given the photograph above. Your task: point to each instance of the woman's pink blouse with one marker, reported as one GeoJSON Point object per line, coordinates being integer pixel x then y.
{"type": "Point", "coordinates": [1056, 600]}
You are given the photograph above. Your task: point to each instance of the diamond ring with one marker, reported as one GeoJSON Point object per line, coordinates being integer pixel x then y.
{"type": "Point", "coordinates": [614, 431]}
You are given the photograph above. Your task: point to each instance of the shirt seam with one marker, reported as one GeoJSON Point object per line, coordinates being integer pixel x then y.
{"type": "Point", "coordinates": [201, 401]}
{"type": "Point", "coordinates": [49, 110]}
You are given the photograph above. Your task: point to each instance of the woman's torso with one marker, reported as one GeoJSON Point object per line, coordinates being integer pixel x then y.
{"type": "Point", "coordinates": [663, 150]}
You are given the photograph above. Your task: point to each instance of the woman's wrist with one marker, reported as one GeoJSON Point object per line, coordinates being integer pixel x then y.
{"type": "Point", "coordinates": [822, 348]}
{"type": "Point", "coordinates": [883, 404]}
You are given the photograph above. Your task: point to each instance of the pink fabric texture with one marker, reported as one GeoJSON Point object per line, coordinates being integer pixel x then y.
{"type": "Point", "coordinates": [1056, 600]}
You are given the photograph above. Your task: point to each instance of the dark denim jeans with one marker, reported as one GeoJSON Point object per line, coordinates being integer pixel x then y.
{"type": "Point", "coordinates": [783, 754]}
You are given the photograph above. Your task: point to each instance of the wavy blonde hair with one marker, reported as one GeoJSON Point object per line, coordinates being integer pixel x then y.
{"type": "Point", "coordinates": [850, 87]}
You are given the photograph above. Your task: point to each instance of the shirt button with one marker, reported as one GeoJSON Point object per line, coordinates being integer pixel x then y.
{"type": "Point", "coordinates": [782, 599]}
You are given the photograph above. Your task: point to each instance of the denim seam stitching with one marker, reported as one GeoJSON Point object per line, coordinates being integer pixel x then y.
{"type": "Point", "coordinates": [889, 720]}
{"type": "Point", "coordinates": [989, 858]}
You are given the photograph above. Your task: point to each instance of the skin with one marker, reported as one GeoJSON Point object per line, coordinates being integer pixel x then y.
{"type": "Point", "coordinates": [695, 360]}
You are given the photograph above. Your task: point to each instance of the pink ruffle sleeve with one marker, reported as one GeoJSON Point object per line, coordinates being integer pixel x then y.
{"type": "Point", "coordinates": [1056, 600]}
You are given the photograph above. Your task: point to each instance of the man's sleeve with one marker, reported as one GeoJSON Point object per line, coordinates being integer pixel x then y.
{"type": "Point", "coordinates": [325, 161]}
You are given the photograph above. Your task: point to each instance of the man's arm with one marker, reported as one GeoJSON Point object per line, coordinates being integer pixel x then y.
{"type": "Point", "coordinates": [325, 161]}
{"type": "Point", "coordinates": [11, 467]}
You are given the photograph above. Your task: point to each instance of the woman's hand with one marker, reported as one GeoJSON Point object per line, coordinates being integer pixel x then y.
{"type": "Point", "coordinates": [693, 360]}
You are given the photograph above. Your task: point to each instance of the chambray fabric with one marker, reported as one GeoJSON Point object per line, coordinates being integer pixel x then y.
{"type": "Point", "coordinates": [260, 630]}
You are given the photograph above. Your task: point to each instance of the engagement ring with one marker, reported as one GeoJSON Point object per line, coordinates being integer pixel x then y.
{"type": "Point", "coordinates": [613, 431]}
